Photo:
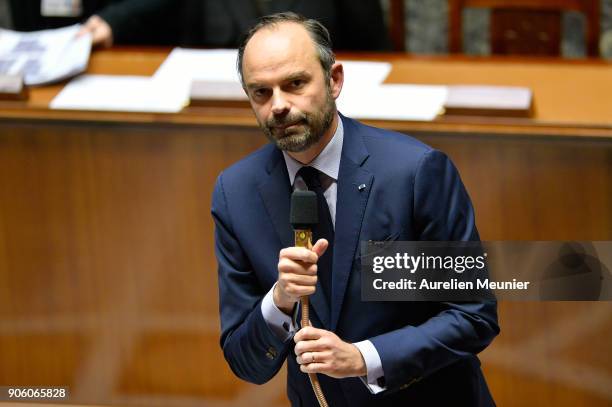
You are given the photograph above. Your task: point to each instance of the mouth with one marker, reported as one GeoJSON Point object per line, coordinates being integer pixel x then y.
{"type": "Point", "coordinates": [288, 125]}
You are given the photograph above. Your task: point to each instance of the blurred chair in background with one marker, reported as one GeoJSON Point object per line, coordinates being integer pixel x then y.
{"type": "Point", "coordinates": [526, 27]}
{"type": "Point", "coordinates": [605, 45]}
{"type": "Point", "coordinates": [396, 20]}
{"type": "Point", "coordinates": [411, 25]}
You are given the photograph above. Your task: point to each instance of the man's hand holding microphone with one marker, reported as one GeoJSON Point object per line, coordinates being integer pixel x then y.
{"type": "Point", "coordinates": [317, 350]}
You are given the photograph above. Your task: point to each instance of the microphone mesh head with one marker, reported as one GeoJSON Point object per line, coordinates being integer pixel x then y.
{"type": "Point", "coordinates": [303, 213]}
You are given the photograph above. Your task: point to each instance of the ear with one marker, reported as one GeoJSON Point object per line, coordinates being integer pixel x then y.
{"type": "Point", "coordinates": [336, 79]}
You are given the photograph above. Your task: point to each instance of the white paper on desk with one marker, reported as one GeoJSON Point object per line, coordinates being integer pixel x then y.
{"type": "Point", "coordinates": [220, 65]}
{"type": "Point", "coordinates": [44, 56]}
{"type": "Point", "coordinates": [183, 66]}
{"type": "Point", "coordinates": [393, 102]}
{"type": "Point", "coordinates": [363, 73]}
{"type": "Point", "coordinates": [206, 65]}
{"type": "Point", "coordinates": [118, 93]}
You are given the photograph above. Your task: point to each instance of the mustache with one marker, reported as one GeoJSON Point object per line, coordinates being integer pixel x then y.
{"type": "Point", "coordinates": [286, 120]}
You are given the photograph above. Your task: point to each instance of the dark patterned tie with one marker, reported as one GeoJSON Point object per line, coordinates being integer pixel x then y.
{"type": "Point", "coordinates": [324, 229]}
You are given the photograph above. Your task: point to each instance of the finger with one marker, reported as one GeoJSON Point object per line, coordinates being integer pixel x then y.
{"type": "Point", "coordinates": [90, 24]}
{"type": "Point", "coordinates": [304, 358]}
{"type": "Point", "coordinates": [317, 346]}
{"type": "Point", "coordinates": [314, 368]}
{"type": "Point", "coordinates": [94, 22]}
{"type": "Point", "coordinates": [296, 291]}
{"type": "Point", "coordinates": [87, 28]}
{"type": "Point", "coordinates": [308, 333]}
{"type": "Point", "coordinates": [304, 348]}
{"type": "Point", "coordinates": [287, 265]}
{"type": "Point", "coordinates": [101, 32]}
{"type": "Point", "coordinates": [320, 247]}
{"type": "Point", "coordinates": [312, 357]}
{"type": "Point", "coordinates": [300, 280]}
{"type": "Point", "coordinates": [299, 254]}
{"type": "Point", "coordinates": [98, 36]}
{"type": "Point", "coordinates": [102, 35]}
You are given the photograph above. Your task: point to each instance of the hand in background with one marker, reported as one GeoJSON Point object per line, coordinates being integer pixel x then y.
{"type": "Point", "coordinates": [101, 32]}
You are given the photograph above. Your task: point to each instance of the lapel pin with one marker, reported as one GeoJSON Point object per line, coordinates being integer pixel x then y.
{"type": "Point", "coordinates": [361, 187]}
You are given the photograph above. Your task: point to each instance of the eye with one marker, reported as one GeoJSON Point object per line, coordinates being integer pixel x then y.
{"type": "Point", "coordinates": [259, 92]}
{"type": "Point", "coordinates": [297, 83]}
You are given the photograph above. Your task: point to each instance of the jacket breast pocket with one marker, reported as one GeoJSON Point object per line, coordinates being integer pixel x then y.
{"type": "Point", "coordinates": [381, 244]}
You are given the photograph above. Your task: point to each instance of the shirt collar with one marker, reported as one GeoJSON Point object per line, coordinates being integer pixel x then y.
{"type": "Point", "coordinates": [328, 160]}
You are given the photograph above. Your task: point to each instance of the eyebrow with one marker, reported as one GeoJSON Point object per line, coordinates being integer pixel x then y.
{"type": "Point", "coordinates": [255, 85]}
{"type": "Point", "coordinates": [291, 77]}
{"type": "Point", "coordinates": [297, 75]}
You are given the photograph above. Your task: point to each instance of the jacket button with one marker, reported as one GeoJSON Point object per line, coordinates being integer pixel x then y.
{"type": "Point", "coordinates": [271, 354]}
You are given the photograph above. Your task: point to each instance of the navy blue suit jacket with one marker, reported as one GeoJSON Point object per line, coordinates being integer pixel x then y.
{"type": "Point", "coordinates": [413, 192]}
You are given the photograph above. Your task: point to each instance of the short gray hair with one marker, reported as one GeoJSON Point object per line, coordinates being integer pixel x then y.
{"type": "Point", "coordinates": [317, 31]}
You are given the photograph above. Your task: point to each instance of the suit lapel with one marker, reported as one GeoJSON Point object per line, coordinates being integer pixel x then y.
{"type": "Point", "coordinates": [354, 185]}
{"type": "Point", "coordinates": [275, 192]}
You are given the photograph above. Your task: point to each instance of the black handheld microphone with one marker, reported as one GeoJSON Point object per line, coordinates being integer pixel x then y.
{"type": "Point", "coordinates": [303, 216]}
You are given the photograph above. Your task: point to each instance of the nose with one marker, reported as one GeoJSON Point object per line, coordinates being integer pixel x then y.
{"type": "Point", "coordinates": [280, 104]}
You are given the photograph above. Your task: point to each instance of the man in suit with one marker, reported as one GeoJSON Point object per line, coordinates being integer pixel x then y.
{"type": "Point", "coordinates": [372, 184]}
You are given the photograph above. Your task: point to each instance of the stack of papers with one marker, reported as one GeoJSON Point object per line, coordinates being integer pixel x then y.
{"type": "Point", "coordinates": [393, 102]}
{"type": "Point", "coordinates": [167, 91]}
{"type": "Point", "coordinates": [505, 101]}
{"type": "Point", "coordinates": [184, 67]}
{"type": "Point", "coordinates": [43, 57]}
{"type": "Point", "coordinates": [364, 95]}
{"type": "Point", "coordinates": [117, 93]}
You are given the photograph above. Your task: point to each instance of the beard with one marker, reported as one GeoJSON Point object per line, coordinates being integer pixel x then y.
{"type": "Point", "coordinates": [304, 129]}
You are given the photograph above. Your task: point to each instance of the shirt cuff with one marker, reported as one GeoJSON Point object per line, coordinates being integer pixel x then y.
{"type": "Point", "coordinates": [279, 322]}
{"type": "Point", "coordinates": [374, 380]}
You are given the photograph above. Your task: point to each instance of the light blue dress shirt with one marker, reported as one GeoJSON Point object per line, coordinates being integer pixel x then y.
{"type": "Point", "coordinates": [327, 162]}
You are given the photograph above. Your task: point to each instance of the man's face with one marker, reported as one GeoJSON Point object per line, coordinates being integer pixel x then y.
{"type": "Point", "coordinates": [293, 101]}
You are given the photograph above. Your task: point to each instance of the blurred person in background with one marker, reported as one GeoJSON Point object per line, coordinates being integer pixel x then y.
{"type": "Point", "coordinates": [356, 25]}
{"type": "Point", "coordinates": [109, 21]}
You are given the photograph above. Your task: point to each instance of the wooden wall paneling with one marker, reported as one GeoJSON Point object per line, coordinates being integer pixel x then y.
{"type": "Point", "coordinates": [530, 188]}
{"type": "Point", "coordinates": [108, 277]}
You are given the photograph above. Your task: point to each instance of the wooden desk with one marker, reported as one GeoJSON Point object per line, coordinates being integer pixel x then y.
{"type": "Point", "coordinates": [107, 271]}
{"type": "Point", "coordinates": [572, 98]}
